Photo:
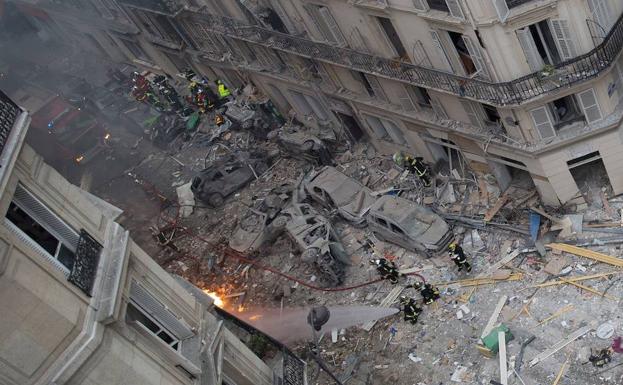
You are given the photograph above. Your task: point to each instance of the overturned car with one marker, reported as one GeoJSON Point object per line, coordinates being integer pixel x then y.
{"type": "Point", "coordinates": [316, 240]}
{"type": "Point", "coordinates": [226, 176]}
{"type": "Point", "coordinates": [407, 224]}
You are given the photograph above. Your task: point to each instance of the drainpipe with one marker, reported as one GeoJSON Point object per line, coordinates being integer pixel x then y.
{"type": "Point", "coordinates": [109, 277]}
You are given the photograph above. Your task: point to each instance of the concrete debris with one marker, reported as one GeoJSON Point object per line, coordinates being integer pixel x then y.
{"type": "Point", "coordinates": [186, 199]}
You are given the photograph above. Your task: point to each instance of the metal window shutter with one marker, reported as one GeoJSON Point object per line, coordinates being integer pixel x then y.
{"type": "Point", "coordinates": [420, 55]}
{"type": "Point", "coordinates": [405, 99]}
{"type": "Point", "coordinates": [394, 131]}
{"type": "Point", "coordinates": [332, 25]}
{"type": "Point", "coordinates": [562, 36]}
{"type": "Point", "coordinates": [455, 9]}
{"type": "Point", "coordinates": [442, 52]}
{"type": "Point", "coordinates": [438, 108]}
{"type": "Point", "coordinates": [502, 9]}
{"type": "Point", "coordinates": [50, 221]}
{"type": "Point", "coordinates": [529, 49]}
{"type": "Point", "coordinates": [472, 114]}
{"type": "Point", "coordinates": [377, 127]}
{"type": "Point", "coordinates": [601, 13]}
{"type": "Point", "coordinates": [376, 87]}
{"type": "Point", "coordinates": [420, 5]}
{"type": "Point", "coordinates": [159, 312]}
{"type": "Point", "coordinates": [590, 105]}
{"type": "Point", "coordinates": [543, 122]}
{"type": "Point", "coordinates": [357, 40]}
{"type": "Point", "coordinates": [314, 14]}
{"type": "Point", "coordinates": [278, 8]}
{"type": "Point", "coordinates": [477, 58]}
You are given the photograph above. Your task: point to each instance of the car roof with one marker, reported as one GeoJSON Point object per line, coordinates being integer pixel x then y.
{"type": "Point", "coordinates": [403, 212]}
{"type": "Point", "coordinates": [336, 184]}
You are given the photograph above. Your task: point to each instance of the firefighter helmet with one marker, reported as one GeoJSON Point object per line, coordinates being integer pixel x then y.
{"type": "Point", "coordinates": [220, 120]}
{"type": "Point", "coordinates": [398, 157]}
{"type": "Point", "coordinates": [452, 246]}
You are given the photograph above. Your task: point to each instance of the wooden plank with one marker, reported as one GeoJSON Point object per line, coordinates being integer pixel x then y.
{"type": "Point", "coordinates": [589, 289]}
{"type": "Point", "coordinates": [555, 315]}
{"type": "Point", "coordinates": [502, 262]}
{"type": "Point", "coordinates": [496, 207]}
{"type": "Point", "coordinates": [391, 297]}
{"type": "Point", "coordinates": [578, 279]}
{"type": "Point", "coordinates": [494, 317]}
{"type": "Point", "coordinates": [560, 373]}
{"type": "Point", "coordinates": [502, 352]}
{"type": "Point", "coordinates": [480, 281]}
{"type": "Point", "coordinates": [482, 190]}
{"type": "Point", "coordinates": [559, 345]}
{"type": "Point", "coordinates": [587, 253]}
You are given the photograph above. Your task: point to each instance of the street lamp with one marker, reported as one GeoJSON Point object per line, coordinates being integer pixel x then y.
{"type": "Point", "coordinates": [317, 317]}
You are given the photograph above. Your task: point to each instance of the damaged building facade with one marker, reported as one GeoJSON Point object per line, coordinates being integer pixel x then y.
{"type": "Point", "coordinates": [515, 88]}
{"type": "Point", "coordinates": [83, 304]}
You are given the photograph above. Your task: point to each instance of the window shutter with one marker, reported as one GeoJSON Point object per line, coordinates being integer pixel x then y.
{"type": "Point", "coordinates": [318, 109]}
{"type": "Point", "coordinates": [313, 11]}
{"type": "Point", "coordinates": [420, 5]}
{"type": "Point", "coordinates": [420, 56]}
{"type": "Point", "coordinates": [394, 131]}
{"type": "Point", "coordinates": [332, 25]}
{"type": "Point", "coordinates": [438, 108]}
{"type": "Point", "coordinates": [442, 52]}
{"type": "Point", "coordinates": [601, 13]}
{"type": "Point", "coordinates": [405, 99]}
{"type": "Point", "coordinates": [158, 311]}
{"type": "Point", "coordinates": [45, 217]}
{"type": "Point", "coordinates": [477, 58]}
{"type": "Point", "coordinates": [376, 87]}
{"type": "Point", "coordinates": [617, 76]}
{"type": "Point", "coordinates": [590, 105]}
{"type": "Point", "coordinates": [562, 35]}
{"type": "Point", "coordinates": [455, 9]}
{"type": "Point", "coordinates": [377, 127]}
{"type": "Point", "coordinates": [543, 122]}
{"type": "Point", "coordinates": [358, 42]}
{"type": "Point", "coordinates": [502, 9]}
{"type": "Point", "coordinates": [278, 8]}
{"type": "Point", "coordinates": [529, 49]}
{"type": "Point", "coordinates": [472, 113]}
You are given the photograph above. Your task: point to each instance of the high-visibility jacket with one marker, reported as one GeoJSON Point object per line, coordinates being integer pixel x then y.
{"type": "Point", "coordinates": [223, 91]}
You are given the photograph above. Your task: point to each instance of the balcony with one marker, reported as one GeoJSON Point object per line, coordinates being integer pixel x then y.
{"type": "Point", "coordinates": [502, 94]}
{"type": "Point", "coordinates": [9, 112]}
{"type": "Point", "coordinates": [165, 7]}
{"type": "Point", "coordinates": [84, 270]}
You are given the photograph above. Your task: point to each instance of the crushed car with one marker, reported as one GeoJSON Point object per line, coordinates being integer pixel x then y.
{"type": "Point", "coordinates": [226, 176]}
{"type": "Point", "coordinates": [334, 190]}
{"type": "Point", "coordinates": [317, 241]}
{"type": "Point", "coordinates": [409, 225]}
{"type": "Point", "coordinates": [261, 223]}
{"type": "Point", "coordinates": [301, 144]}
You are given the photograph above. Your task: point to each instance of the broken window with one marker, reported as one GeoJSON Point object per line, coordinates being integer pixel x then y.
{"type": "Point", "coordinates": [135, 314]}
{"type": "Point", "coordinates": [396, 229]}
{"type": "Point", "coordinates": [546, 42]}
{"type": "Point", "coordinates": [392, 36]}
{"type": "Point", "coordinates": [309, 105]}
{"type": "Point", "coordinates": [371, 84]}
{"type": "Point", "coordinates": [382, 222]}
{"type": "Point", "coordinates": [326, 24]}
{"type": "Point", "coordinates": [386, 129]}
{"type": "Point", "coordinates": [451, 6]}
{"type": "Point", "coordinates": [34, 220]}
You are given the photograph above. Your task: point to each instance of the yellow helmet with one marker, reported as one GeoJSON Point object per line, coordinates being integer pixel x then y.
{"type": "Point", "coordinates": [452, 246]}
{"type": "Point", "coordinates": [398, 157]}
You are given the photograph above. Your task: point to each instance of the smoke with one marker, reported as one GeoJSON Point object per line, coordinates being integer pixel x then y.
{"type": "Point", "coordinates": [290, 325]}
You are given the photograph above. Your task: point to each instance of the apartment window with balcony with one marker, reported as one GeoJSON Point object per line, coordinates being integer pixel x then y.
{"type": "Point", "coordinates": [392, 36]}
{"type": "Point", "coordinates": [460, 53]}
{"type": "Point", "coordinates": [546, 42]}
{"type": "Point", "coordinates": [326, 24]}
{"type": "Point", "coordinates": [566, 111]}
{"type": "Point", "coordinates": [52, 237]}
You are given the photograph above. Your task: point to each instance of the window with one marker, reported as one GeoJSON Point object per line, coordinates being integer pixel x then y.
{"type": "Point", "coordinates": [396, 229]}
{"type": "Point", "coordinates": [451, 6]}
{"type": "Point", "coordinates": [309, 105]}
{"type": "Point", "coordinates": [135, 314]}
{"type": "Point", "coordinates": [546, 42]}
{"type": "Point", "coordinates": [392, 36]}
{"type": "Point", "coordinates": [420, 96]}
{"type": "Point", "coordinates": [326, 24]}
{"type": "Point", "coordinates": [157, 25]}
{"type": "Point", "coordinates": [55, 239]}
{"type": "Point", "coordinates": [469, 54]}
{"type": "Point", "coordinates": [386, 129]}
{"type": "Point", "coordinates": [382, 222]}
{"type": "Point", "coordinates": [136, 50]}
{"type": "Point", "coordinates": [602, 15]}
{"type": "Point", "coordinates": [371, 84]}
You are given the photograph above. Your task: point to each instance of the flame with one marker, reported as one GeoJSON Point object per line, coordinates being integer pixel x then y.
{"type": "Point", "coordinates": [217, 300]}
{"type": "Point", "coordinates": [255, 317]}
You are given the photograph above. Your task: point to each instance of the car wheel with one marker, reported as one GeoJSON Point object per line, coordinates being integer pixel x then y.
{"type": "Point", "coordinates": [310, 255]}
{"type": "Point", "coordinates": [215, 200]}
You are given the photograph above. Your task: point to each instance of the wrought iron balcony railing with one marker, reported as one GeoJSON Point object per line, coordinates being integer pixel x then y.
{"type": "Point", "coordinates": [165, 7]}
{"type": "Point", "coordinates": [200, 27]}
{"type": "Point", "coordinates": [9, 112]}
{"type": "Point", "coordinates": [84, 270]}
{"type": "Point", "coordinates": [516, 3]}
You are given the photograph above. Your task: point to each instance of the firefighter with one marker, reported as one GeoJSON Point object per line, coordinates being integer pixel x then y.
{"type": "Point", "coordinates": [457, 255]}
{"type": "Point", "coordinates": [411, 309]}
{"type": "Point", "coordinates": [415, 166]}
{"type": "Point", "coordinates": [603, 357]}
{"type": "Point", "coordinates": [223, 92]}
{"type": "Point", "coordinates": [429, 293]}
{"type": "Point", "coordinates": [387, 269]}
{"type": "Point", "coordinates": [219, 120]}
